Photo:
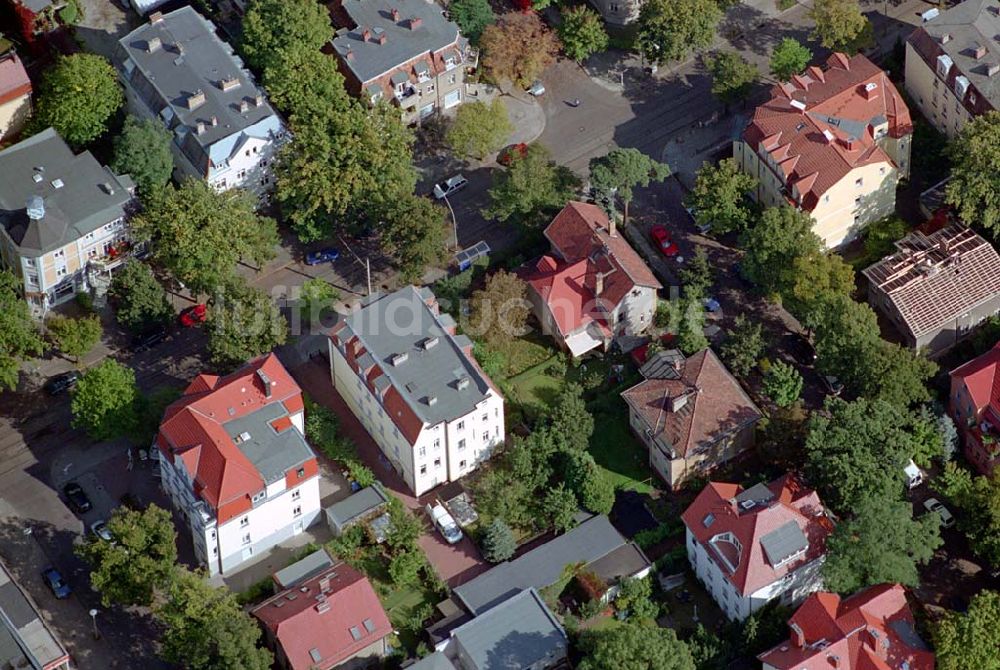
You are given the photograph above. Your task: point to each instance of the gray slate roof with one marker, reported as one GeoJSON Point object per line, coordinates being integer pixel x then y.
{"type": "Point", "coordinates": [371, 59]}
{"type": "Point", "coordinates": [971, 23]}
{"type": "Point", "coordinates": [402, 322]}
{"type": "Point", "coordinates": [310, 566]}
{"type": "Point", "coordinates": [90, 196]}
{"type": "Point", "coordinates": [541, 566]}
{"type": "Point", "coordinates": [191, 58]}
{"type": "Point", "coordinates": [783, 542]}
{"type": "Point", "coordinates": [272, 453]}
{"type": "Point", "coordinates": [365, 501]}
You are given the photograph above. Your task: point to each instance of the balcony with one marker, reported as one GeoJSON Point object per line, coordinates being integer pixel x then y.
{"type": "Point", "coordinates": [405, 91]}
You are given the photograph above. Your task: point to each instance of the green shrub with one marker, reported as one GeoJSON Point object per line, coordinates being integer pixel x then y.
{"type": "Point", "coordinates": [85, 301]}
{"type": "Point", "coordinates": [69, 14]}
{"type": "Point", "coordinates": [665, 531]}
{"type": "Point", "coordinates": [256, 592]}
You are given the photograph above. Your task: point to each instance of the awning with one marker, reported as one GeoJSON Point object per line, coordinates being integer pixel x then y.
{"type": "Point", "coordinates": [582, 342]}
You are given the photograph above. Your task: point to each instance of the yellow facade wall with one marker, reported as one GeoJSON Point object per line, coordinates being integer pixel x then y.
{"type": "Point", "coordinates": [13, 115]}
{"type": "Point", "coordinates": [936, 101]}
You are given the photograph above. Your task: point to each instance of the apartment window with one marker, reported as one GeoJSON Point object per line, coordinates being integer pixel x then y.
{"type": "Point", "coordinates": [437, 462]}
{"type": "Point", "coordinates": [258, 497]}
{"type": "Point", "coordinates": [437, 442]}
{"type": "Point", "coordinates": [61, 271]}
{"type": "Point", "coordinates": [486, 436]}
{"type": "Point", "coordinates": [32, 280]}
{"type": "Point", "coordinates": [859, 181]}
{"type": "Point", "coordinates": [486, 417]}
{"type": "Point", "coordinates": [215, 551]}
{"type": "Point", "coordinates": [247, 152]}
{"type": "Point", "coordinates": [461, 465]}
{"type": "Point", "coordinates": [429, 88]}
{"type": "Point", "coordinates": [301, 472]}
{"type": "Point", "coordinates": [935, 83]}
{"type": "Point", "coordinates": [881, 170]}
{"type": "Point", "coordinates": [461, 444]}
{"type": "Point", "coordinates": [59, 254]}
{"type": "Point", "coordinates": [614, 7]}
{"type": "Point", "coordinates": [296, 494]}
{"type": "Point", "coordinates": [826, 198]}
{"type": "Point", "coordinates": [244, 522]}
{"type": "Point", "coordinates": [297, 511]}
{"type": "Point", "coordinates": [451, 79]}
{"type": "Point", "coordinates": [246, 539]}
{"type": "Point", "coordinates": [422, 451]}
{"type": "Point", "coordinates": [423, 469]}
{"type": "Point", "coordinates": [241, 174]}
{"type": "Point", "coordinates": [461, 425]}
{"type": "Point", "coordinates": [972, 99]}
{"type": "Point", "coordinates": [29, 262]}
{"type": "Point", "coordinates": [857, 201]}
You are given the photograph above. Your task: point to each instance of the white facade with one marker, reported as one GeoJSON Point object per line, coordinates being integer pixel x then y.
{"type": "Point", "coordinates": [281, 513]}
{"type": "Point", "coordinates": [790, 589]}
{"type": "Point", "coordinates": [635, 312]}
{"type": "Point", "coordinates": [442, 452]}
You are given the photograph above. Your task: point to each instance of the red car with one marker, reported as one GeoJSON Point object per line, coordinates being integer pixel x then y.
{"type": "Point", "coordinates": [192, 316]}
{"type": "Point", "coordinates": [661, 236]}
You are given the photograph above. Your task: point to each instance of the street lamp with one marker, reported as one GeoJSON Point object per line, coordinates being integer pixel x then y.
{"type": "Point", "coordinates": [93, 618]}
{"type": "Point", "coordinates": [453, 219]}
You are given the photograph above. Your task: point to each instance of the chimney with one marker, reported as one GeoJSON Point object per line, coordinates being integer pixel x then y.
{"type": "Point", "coordinates": [349, 54]}
{"type": "Point", "coordinates": [415, 22]}
{"type": "Point", "coordinates": [797, 637]}
{"type": "Point", "coordinates": [828, 136]}
{"type": "Point", "coordinates": [978, 51]}
{"type": "Point", "coordinates": [945, 38]}
{"type": "Point", "coordinates": [153, 44]}
{"type": "Point", "coordinates": [265, 382]}
{"type": "Point", "coordinates": [382, 37]}
{"type": "Point", "coordinates": [992, 69]}
{"type": "Point", "coordinates": [214, 121]}
{"type": "Point", "coordinates": [196, 99]}
{"type": "Point", "coordinates": [258, 100]}
{"type": "Point", "coordinates": [155, 18]}
{"type": "Point", "coordinates": [366, 35]}
{"type": "Point", "coordinates": [612, 226]}
{"type": "Point", "coordinates": [598, 284]}
{"type": "Point", "coordinates": [395, 15]}
{"type": "Point", "coordinates": [244, 106]}
{"type": "Point", "coordinates": [676, 403]}
{"type": "Point", "coordinates": [199, 128]}
{"type": "Point", "coordinates": [229, 83]}
{"type": "Point", "coordinates": [871, 91]}
{"type": "Point", "coordinates": [834, 660]}
{"type": "Point", "coordinates": [35, 207]}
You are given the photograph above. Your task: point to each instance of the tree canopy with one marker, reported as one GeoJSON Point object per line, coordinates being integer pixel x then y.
{"type": "Point", "coordinates": [978, 498]}
{"type": "Point", "coordinates": [78, 96]}
{"type": "Point", "coordinates": [732, 76]}
{"type": "Point", "coordinates": [498, 541]}
{"type": "Point", "coordinates": [271, 27]}
{"type": "Point", "coordinates": [782, 384]}
{"type": "Point", "coordinates": [517, 48]}
{"type": "Point", "coordinates": [499, 310]}
{"type": "Point", "coordinates": [138, 562]}
{"type": "Point", "coordinates": [719, 197]}
{"type": "Point", "coordinates": [201, 234]}
{"type": "Point", "coordinates": [669, 30]}
{"type": "Point", "coordinates": [243, 323]}
{"type": "Point", "coordinates": [142, 150]}
{"type": "Point", "coordinates": [744, 346]}
{"type": "Point", "coordinates": [104, 401]}
{"type": "Point", "coordinates": [74, 336]}
{"type": "Point", "coordinates": [472, 17]}
{"type": "Point", "coordinates": [19, 336]}
{"type": "Point", "coordinates": [415, 235]}
{"type": "Point", "coordinates": [789, 58]}
{"type": "Point", "coordinates": [974, 189]}
{"type": "Point", "coordinates": [838, 22]}
{"type": "Point", "coordinates": [582, 32]}
{"type": "Point", "coordinates": [139, 299]}
{"type": "Point", "coordinates": [634, 646]}
{"type": "Point", "coordinates": [532, 187]}
{"type": "Point", "coordinates": [620, 171]}
{"type": "Point", "coordinates": [479, 129]}
{"type": "Point", "coordinates": [964, 640]}
{"type": "Point", "coordinates": [772, 245]}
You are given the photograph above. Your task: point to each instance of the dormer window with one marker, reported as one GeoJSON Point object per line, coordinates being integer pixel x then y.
{"type": "Point", "coordinates": [258, 497]}
{"type": "Point", "coordinates": [728, 548]}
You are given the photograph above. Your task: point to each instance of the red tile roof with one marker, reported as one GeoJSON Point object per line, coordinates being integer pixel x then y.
{"type": "Point", "coordinates": [782, 501]}
{"type": "Point", "coordinates": [580, 233]}
{"type": "Point", "coordinates": [717, 405]}
{"type": "Point", "coordinates": [14, 82]}
{"type": "Point", "coordinates": [828, 130]}
{"type": "Point", "coordinates": [981, 377]}
{"type": "Point", "coordinates": [563, 288]}
{"type": "Point", "coordinates": [319, 614]}
{"type": "Point", "coordinates": [871, 630]}
{"type": "Point", "coordinates": [192, 428]}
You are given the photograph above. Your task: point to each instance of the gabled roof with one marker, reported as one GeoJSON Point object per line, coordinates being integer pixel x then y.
{"type": "Point", "coordinates": [761, 520]}
{"type": "Point", "coordinates": [871, 630]}
{"type": "Point", "coordinates": [708, 402]}
{"type": "Point", "coordinates": [326, 619]}
{"type": "Point", "coordinates": [935, 278]}
{"type": "Point", "coordinates": [823, 122]}
{"type": "Point", "coordinates": [567, 291]}
{"type": "Point", "coordinates": [221, 430]}
{"type": "Point", "coordinates": [981, 377]}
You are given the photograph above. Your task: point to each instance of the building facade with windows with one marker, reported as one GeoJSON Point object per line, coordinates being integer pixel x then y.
{"type": "Point", "coordinates": [176, 69]}
{"type": "Point", "coordinates": [236, 465]}
{"type": "Point", "coordinates": [402, 51]}
{"type": "Point", "coordinates": [749, 547]}
{"type": "Point", "coordinates": [618, 12]}
{"type": "Point", "coordinates": [414, 385]}
{"type": "Point", "coordinates": [833, 142]}
{"type": "Point", "coordinates": [63, 219]}
{"type": "Point", "coordinates": [953, 65]}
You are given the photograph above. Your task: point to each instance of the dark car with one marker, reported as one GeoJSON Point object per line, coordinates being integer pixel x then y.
{"type": "Point", "coordinates": [78, 500]}
{"type": "Point", "coordinates": [61, 383]}
{"type": "Point", "coordinates": [60, 589]}
{"type": "Point", "coordinates": [322, 256]}
{"type": "Point", "coordinates": [149, 339]}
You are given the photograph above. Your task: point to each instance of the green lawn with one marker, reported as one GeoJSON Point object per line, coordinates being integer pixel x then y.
{"type": "Point", "coordinates": [616, 449]}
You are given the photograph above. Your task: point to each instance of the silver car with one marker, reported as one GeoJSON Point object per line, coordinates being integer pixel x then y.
{"type": "Point", "coordinates": [934, 505]}
{"type": "Point", "coordinates": [449, 186]}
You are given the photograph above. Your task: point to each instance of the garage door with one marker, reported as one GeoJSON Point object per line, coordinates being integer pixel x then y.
{"type": "Point", "coordinates": [453, 98]}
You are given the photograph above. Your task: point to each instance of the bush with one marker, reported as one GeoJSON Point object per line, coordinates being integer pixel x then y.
{"type": "Point", "coordinates": [85, 301]}
{"type": "Point", "coordinates": [498, 542]}
{"type": "Point", "coordinates": [653, 536]}
{"type": "Point", "coordinates": [69, 14]}
{"type": "Point", "coordinates": [256, 592]}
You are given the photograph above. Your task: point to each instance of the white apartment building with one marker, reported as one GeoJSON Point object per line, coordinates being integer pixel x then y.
{"type": "Point", "coordinates": [236, 464]}
{"type": "Point", "coordinates": [414, 385]}
{"type": "Point", "coordinates": [754, 546]}
{"type": "Point", "coordinates": [63, 219]}
{"type": "Point", "coordinates": [176, 69]}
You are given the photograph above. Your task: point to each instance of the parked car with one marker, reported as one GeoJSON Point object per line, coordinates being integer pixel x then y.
{"type": "Point", "coordinates": [100, 530]}
{"type": "Point", "coordinates": [149, 339]}
{"type": "Point", "coordinates": [445, 523]}
{"type": "Point", "coordinates": [194, 315]}
{"type": "Point", "coordinates": [934, 505]}
{"type": "Point", "coordinates": [661, 236]}
{"type": "Point", "coordinates": [61, 383]}
{"type": "Point", "coordinates": [449, 186]}
{"type": "Point", "coordinates": [832, 384]}
{"type": "Point", "coordinates": [537, 88]}
{"type": "Point", "coordinates": [78, 500]}
{"type": "Point", "coordinates": [802, 350]}
{"type": "Point", "coordinates": [322, 256]}
{"type": "Point", "coordinates": [703, 228]}
{"type": "Point", "coordinates": [60, 589]}
{"type": "Point", "coordinates": [510, 152]}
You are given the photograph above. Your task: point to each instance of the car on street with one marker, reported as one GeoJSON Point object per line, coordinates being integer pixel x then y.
{"type": "Point", "coordinates": [61, 383]}
{"type": "Point", "coordinates": [148, 339]}
{"type": "Point", "coordinates": [445, 523]}
{"type": "Point", "coordinates": [511, 152]}
{"type": "Point", "coordinates": [193, 315]}
{"type": "Point", "coordinates": [833, 385]}
{"type": "Point", "coordinates": [537, 88]}
{"type": "Point", "coordinates": [100, 530]}
{"type": "Point", "coordinates": [449, 186]}
{"type": "Point", "coordinates": [60, 589]}
{"type": "Point", "coordinates": [934, 505]}
{"type": "Point", "coordinates": [322, 256]}
{"type": "Point", "coordinates": [661, 236]}
{"type": "Point", "coordinates": [77, 499]}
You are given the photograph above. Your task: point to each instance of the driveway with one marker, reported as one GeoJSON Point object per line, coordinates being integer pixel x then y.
{"type": "Point", "coordinates": [104, 22]}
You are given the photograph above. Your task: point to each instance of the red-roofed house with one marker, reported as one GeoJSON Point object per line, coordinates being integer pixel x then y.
{"type": "Point", "coordinates": [690, 413]}
{"type": "Point", "coordinates": [15, 95]}
{"type": "Point", "coordinates": [330, 618]}
{"type": "Point", "coordinates": [871, 630]}
{"type": "Point", "coordinates": [752, 546]}
{"type": "Point", "coordinates": [594, 286]}
{"type": "Point", "coordinates": [834, 142]}
{"type": "Point", "coordinates": [236, 464]}
{"type": "Point", "coordinates": [974, 404]}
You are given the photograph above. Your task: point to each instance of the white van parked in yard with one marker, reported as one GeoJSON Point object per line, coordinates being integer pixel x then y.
{"type": "Point", "coordinates": [914, 475]}
{"type": "Point", "coordinates": [445, 523]}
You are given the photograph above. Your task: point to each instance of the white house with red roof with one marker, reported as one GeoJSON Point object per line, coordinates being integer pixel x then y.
{"type": "Point", "coordinates": [593, 287]}
{"type": "Point", "coordinates": [752, 546]}
{"type": "Point", "coordinates": [974, 404]}
{"type": "Point", "coordinates": [236, 465]}
{"type": "Point", "coordinates": [834, 142]}
{"type": "Point", "coordinates": [871, 630]}
{"type": "Point", "coordinates": [414, 385]}
{"type": "Point", "coordinates": [328, 617]}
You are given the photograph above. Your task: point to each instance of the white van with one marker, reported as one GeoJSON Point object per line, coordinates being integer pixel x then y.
{"type": "Point", "coordinates": [914, 476]}
{"type": "Point", "coordinates": [445, 523]}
